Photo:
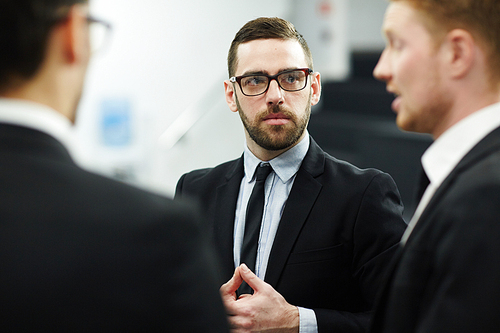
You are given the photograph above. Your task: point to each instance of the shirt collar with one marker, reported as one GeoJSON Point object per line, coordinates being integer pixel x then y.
{"type": "Point", "coordinates": [448, 150]}
{"type": "Point", "coordinates": [285, 165]}
{"type": "Point", "coordinates": [39, 117]}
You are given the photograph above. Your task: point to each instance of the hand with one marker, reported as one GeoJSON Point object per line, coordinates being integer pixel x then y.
{"type": "Point", "coordinates": [264, 311]}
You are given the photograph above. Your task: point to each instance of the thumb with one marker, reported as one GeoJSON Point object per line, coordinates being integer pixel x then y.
{"type": "Point", "coordinates": [229, 288]}
{"type": "Point", "coordinates": [249, 277]}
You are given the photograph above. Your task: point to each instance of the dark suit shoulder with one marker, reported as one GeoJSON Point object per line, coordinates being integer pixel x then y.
{"type": "Point", "coordinates": [318, 163]}
{"type": "Point", "coordinates": [202, 182]}
{"type": "Point", "coordinates": [349, 167]}
{"type": "Point", "coordinates": [98, 246]}
{"type": "Point", "coordinates": [81, 196]}
{"type": "Point", "coordinates": [221, 170]}
{"type": "Point", "coordinates": [128, 199]}
{"type": "Point", "coordinates": [348, 174]}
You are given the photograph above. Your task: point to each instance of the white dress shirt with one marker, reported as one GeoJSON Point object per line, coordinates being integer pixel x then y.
{"type": "Point", "coordinates": [448, 150]}
{"type": "Point", "coordinates": [39, 117]}
{"type": "Point", "coordinates": [276, 190]}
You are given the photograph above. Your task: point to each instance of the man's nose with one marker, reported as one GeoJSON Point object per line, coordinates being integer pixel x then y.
{"type": "Point", "coordinates": [382, 70]}
{"type": "Point", "coordinates": [274, 94]}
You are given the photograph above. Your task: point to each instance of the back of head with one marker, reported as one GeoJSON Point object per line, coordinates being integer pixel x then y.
{"type": "Point", "coordinates": [24, 30]}
{"type": "Point", "coordinates": [265, 28]}
{"type": "Point", "coordinates": [481, 18]}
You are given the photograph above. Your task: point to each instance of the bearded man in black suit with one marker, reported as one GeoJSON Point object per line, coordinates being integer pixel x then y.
{"type": "Point", "coordinates": [318, 249]}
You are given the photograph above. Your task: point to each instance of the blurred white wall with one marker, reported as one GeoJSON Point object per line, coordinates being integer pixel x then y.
{"type": "Point", "coordinates": [324, 25]}
{"type": "Point", "coordinates": [166, 57]}
{"type": "Point", "coordinates": [365, 22]}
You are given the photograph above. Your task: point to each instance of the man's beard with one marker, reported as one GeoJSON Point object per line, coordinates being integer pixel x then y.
{"type": "Point", "coordinates": [283, 137]}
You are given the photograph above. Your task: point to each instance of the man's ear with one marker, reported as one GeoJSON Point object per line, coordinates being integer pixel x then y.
{"type": "Point", "coordinates": [460, 52]}
{"type": "Point", "coordinates": [230, 95]}
{"type": "Point", "coordinates": [315, 88]}
{"type": "Point", "coordinates": [75, 35]}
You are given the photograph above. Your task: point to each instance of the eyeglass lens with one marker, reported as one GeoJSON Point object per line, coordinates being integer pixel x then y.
{"type": "Point", "coordinates": [258, 84]}
{"type": "Point", "coordinates": [99, 34]}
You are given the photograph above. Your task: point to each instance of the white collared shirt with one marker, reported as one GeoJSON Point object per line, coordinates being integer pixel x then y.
{"type": "Point", "coordinates": [448, 150]}
{"type": "Point", "coordinates": [39, 117]}
{"type": "Point", "coordinates": [276, 190]}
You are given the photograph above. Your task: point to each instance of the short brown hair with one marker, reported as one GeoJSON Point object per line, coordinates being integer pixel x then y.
{"type": "Point", "coordinates": [480, 17]}
{"type": "Point", "coordinates": [24, 29]}
{"type": "Point", "coordinates": [265, 28]}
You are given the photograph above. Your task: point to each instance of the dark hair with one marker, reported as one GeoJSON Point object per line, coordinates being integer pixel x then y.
{"type": "Point", "coordinates": [24, 29]}
{"type": "Point", "coordinates": [265, 28]}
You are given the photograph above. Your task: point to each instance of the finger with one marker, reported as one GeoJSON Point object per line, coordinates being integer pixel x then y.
{"type": "Point", "coordinates": [228, 292]}
{"type": "Point", "coordinates": [249, 277]}
{"type": "Point", "coordinates": [230, 287]}
{"type": "Point", "coordinates": [242, 296]}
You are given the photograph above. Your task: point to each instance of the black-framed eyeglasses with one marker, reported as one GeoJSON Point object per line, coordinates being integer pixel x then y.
{"type": "Point", "coordinates": [100, 32]}
{"type": "Point", "coordinates": [258, 84]}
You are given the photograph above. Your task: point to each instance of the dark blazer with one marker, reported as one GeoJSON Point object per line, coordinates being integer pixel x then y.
{"type": "Point", "coordinates": [447, 277]}
{"type": "Point", "coordinates": [338, 231]}
{"type": "Point", "coordinates": [80, 252]}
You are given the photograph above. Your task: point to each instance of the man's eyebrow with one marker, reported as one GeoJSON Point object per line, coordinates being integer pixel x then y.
{"type": "Point", "coordinates": [263, 72]}
{"type": "Point", "coordinates": [387, 34]}
{"type": "Point", "coordinates": [255, 73]}
{"type": "Point", "coordinates": [388, 31]}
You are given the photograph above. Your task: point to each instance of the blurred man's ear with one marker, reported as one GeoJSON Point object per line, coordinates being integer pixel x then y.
{"type": "Point", "coordinates": [75, 35]}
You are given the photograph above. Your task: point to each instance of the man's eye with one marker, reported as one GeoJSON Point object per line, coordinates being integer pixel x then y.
{"type": "Point", "coordinates": [290, 78]}
{"type": "Point", "coordinates": [254, 80]}
{"type": "Point", "coordinates": [396, 44]}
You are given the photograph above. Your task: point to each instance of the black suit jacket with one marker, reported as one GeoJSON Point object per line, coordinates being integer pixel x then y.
{"type": "Point", "coordinates": [447, 276]}
{"type": "Point", "coordinates": [338, 231]}
{"type": "Point", "coordinates": [80, 252]}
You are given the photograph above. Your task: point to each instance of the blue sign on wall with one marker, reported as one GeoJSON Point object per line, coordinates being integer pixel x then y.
{"type": "Point", "coordinates": [115, 118]}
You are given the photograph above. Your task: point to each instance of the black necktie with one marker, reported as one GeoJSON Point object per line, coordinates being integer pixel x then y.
{"type": "Point", "coordinates": [253, 221]}
{"type": "Point", "coordinates": [422, 186]}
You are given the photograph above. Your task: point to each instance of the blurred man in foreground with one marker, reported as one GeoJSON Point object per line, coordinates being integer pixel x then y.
{"type": "Point", "coordinates": [79, 252]}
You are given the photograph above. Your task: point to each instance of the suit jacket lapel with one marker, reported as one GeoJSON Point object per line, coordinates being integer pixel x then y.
{"type": "Point", "coordinates": [226, 198]}
{"type": "Point", "coordinates": [483, 149]}
{"type": "Point", "coordinates": [301, 200]}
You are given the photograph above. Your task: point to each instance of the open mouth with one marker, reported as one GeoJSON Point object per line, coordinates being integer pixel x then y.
{"type": "Point", "coordinates": [397, 99]}
{"type": "Point", "coordinates": [396, 103]}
